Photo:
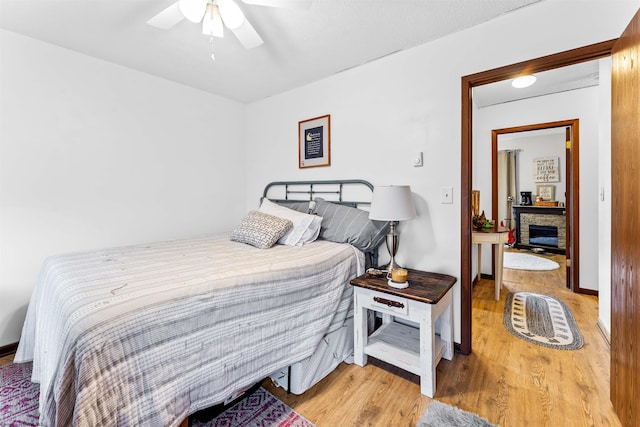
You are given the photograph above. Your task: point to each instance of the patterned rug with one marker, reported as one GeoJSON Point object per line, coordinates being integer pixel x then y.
{"type": "Point", "coordinates": [259, 409]}
{"type": "Point", "coordinates": [541, 319]}
{"type": "Point", "coordinates": [19, 406]}
{"type": "Point", "coordinates": [18, 396]}
{"type": "Point", "coordinates": [519, 261]}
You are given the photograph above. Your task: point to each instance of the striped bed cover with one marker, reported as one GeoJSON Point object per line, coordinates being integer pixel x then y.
{"type": "Point", "coordinates": [148, 334]}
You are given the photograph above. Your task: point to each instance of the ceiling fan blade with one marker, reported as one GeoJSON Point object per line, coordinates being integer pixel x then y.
{"type": "Point", "coordinates": [167, 18]}
{"type": "Point", "coordinates": [247, 35]}
{"type": "Point", "coordinates": [231, 13]}
{"type": "Point", "coordinates": [287, 4]}
{"type": "Point", "coordinates": [193, 10]}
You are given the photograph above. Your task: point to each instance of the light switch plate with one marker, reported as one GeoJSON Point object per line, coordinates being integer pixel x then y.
{"type": "Point", "coordinates": [417, 159]}
{"type": "Point", "coordinates": [446, 195]}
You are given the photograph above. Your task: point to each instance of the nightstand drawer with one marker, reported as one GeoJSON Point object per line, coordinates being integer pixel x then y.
{"type": "Point", "coordinates": [384, 303]}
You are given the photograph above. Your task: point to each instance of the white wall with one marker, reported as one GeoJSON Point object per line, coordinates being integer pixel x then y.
{"type": "Point", "coordinates": [533, 147]}
{"type": "Point", "coordinates": [93, 155]}
{"type": "Point", "coordinates": [384, 111]}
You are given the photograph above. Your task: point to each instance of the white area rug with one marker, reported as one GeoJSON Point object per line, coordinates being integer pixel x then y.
{"type": "Point", "coordinates": [518, 261]}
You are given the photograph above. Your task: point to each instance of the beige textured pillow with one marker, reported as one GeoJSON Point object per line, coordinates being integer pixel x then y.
{"type": "Point", "coordinates": [260, 229]}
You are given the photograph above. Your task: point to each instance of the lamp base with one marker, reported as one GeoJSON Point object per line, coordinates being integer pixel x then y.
{"type": "Point", "coordinates": [392, 246]}
{"type": "Point", "coordinates": [393, 265]}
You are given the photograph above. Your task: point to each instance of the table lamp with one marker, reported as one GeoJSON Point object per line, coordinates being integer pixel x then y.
{"type": "Point", "coordinates": [392, 203]}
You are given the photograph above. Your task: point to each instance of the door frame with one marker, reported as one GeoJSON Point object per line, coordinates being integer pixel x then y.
{"type": "Point", "coordinates": [544, 63]}
{"type": "Point", "coordinates": [572, 189]}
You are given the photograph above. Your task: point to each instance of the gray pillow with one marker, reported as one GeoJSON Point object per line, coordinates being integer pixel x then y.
{"type": "Point", "coordinates": [344, 224]}
{"type": "Point", "coordinates": [296, 206]}
{"type": "Point", "coordinates": [260, 229]}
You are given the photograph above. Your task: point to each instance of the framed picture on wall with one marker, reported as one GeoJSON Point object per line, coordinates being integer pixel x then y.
{"type": "Point", "coordinates": [314, 142]}
{"type": "Point", "coordinates": [547, 192]}
{"type": "Point", "coordinates": [545, 169]}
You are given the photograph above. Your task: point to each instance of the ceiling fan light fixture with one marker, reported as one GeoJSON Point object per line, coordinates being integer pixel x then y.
{"type": "Point", "coordinates": [231, 14]}
{"type": "Point", "coordinates": [212, 22]}
{"type": "Point", "coordinates": [523, 81]}
{"type": "Point", "coordinates": [193, 10]}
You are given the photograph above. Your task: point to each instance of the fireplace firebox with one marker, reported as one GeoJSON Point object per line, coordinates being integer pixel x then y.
{"type": "Point", "coordinates": [540, 227]}
{"type": "Point", "coordinates": [545, 235]}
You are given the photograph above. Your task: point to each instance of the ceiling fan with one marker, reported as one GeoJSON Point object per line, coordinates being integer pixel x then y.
{"type": "Point", "coordinates": [217, 14]}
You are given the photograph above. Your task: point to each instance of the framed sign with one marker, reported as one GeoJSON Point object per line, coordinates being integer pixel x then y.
{"type": "Point", "coordinates": [547, 192]}
{"type": "Point", "coordinates": [545, 169]}
{"type": "Point", "coordinates": [314, 142]}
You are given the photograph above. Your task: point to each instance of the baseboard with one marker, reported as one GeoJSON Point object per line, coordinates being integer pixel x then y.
{"type": "Point", "coordinates": [8, 349]}
{"type": "Point", "coordinates": [603, 332]}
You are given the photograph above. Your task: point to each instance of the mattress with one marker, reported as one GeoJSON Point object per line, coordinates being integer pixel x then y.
{"type": "Point", "coordinates": [148, 334]}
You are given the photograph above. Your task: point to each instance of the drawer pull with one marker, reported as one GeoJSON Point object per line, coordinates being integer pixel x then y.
{"type": "Point", "coordinates": [388, 302]}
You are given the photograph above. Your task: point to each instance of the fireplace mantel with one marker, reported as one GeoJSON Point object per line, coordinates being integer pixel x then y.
{"type": "Point", "coordinates": [540, 216]}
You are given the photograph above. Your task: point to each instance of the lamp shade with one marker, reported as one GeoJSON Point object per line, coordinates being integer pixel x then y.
{"type": "Point", "coordinates": [392, 203]}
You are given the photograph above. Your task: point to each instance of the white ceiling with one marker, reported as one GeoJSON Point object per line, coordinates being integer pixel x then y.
{"type": "Point", "coordinates": [576, 76]}
{"type": "Point", "coordinates": [300, 46]}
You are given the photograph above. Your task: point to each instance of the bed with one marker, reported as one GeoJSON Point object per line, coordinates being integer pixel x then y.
{"type": "Point", "coordinates": [149, 334]}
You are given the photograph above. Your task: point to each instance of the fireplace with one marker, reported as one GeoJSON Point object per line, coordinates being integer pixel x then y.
{"type": "Point", "coordinates": [540, 227]}
{"type": "Point", "coordinates": [544, 235]}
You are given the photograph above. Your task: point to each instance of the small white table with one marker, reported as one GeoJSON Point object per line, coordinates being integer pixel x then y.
{"type": "Point", "coordinates": [427, 301]}
{"type": "Point", "coordinates": [497, 236]}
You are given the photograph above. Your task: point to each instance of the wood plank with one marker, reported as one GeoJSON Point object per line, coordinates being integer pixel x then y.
{"type": "Point", "coordinates": [625, 225]}
{"type": "Point", "coordinates": [423, 286]}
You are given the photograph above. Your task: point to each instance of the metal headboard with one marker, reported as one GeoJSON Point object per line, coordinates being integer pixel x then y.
{"type": "Point", "coordinates": [334, 190]}
{"type": "Point", "coordinates": [319, 188]}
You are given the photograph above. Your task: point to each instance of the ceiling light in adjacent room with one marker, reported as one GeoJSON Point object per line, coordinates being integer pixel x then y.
{"type": "Point", "coordinates": [523, 81]}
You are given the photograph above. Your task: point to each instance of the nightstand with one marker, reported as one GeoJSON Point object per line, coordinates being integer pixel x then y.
{"type": "Point", "coordinates": [427, 302]}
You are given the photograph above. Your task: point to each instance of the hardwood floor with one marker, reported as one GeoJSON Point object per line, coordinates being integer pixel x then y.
{"type": "Point", "coordinates": [6, 360]}
{"type": "Point", "coordinates": [552, 278]}
{"type": "Point", "coordinates": [507, 380]}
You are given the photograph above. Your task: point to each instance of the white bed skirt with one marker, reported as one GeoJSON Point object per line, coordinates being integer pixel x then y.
{"type": "Point", "coordinates": [334, 348]}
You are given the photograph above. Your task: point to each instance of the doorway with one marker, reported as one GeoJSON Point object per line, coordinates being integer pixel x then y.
{"type": "Point", "coordinates": [545, 63]}
{"type": "Point", "coordinates": [563, 211]}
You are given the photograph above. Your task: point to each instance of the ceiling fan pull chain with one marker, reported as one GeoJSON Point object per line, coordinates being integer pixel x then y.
{"type": "Point", "coordinates": [211, 44]}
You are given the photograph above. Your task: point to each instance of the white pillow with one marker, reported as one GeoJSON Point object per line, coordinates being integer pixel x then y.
{"type": "Point", "coordinates": [306, 228]}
